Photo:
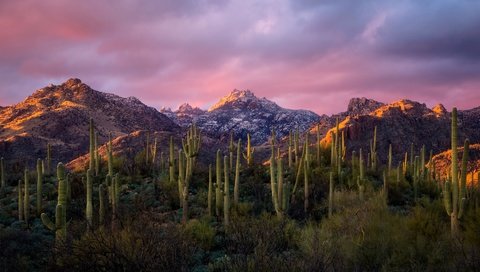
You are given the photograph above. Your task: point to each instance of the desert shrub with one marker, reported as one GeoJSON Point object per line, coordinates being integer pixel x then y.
{"type": "Point", "coordinates": [201, 232]}
{"type": "Point", "coordinates": [257, 244]}
{"type": "Point", "coordinates": [21, 250]}
{"type": "Point", "coordinates": [139, 246]}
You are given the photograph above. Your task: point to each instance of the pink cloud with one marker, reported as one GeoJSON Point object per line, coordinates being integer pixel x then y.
{"type": "Point", "coordinates": [301, 54]}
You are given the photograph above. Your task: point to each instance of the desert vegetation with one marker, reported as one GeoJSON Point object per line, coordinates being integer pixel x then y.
{"type": "Point", "coordinates": [312, 206]}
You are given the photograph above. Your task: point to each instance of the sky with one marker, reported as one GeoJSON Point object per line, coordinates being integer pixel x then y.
{"type": "Point", "coordinates": [309, 54]}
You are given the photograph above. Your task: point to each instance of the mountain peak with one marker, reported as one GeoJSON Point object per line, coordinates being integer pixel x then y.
{"type": "Point", "coordinates": [439, 110]}
{"type": "Point", "coordinates": [71, 82]}
{"type": "Point", "coordinates": [362, 106]}
{"type": "Point", "coordinates": [235, 97]}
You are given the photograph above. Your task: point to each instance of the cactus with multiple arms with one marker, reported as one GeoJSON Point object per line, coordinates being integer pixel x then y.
{"type": "Point", "coordinates": [454, 195]}
{"type": "Point", "coordinates": [191, 146]}
{"type": "Point", "coordinates": [274, 183]}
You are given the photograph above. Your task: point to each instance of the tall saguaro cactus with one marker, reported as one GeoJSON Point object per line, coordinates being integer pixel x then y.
{"type": "Point", "coordinates": [210, 190]}
{"type": "Point", "coordinates": [89, 207]}
{"type": "Point", "coordinates": [39, 187]}
{"type": "Point", "coordinates": [101, 204]}
{"type": "Point", "coordinates": [218, 184]}
{"type": "Point", "coordinates": [20, 200]}
{"type": "Point", "coordinates": [26, 200]}
{"type": "Point", "coordinates": [2, 173]}
{"type": "Point", "coordinates": [226, 192]}
{"type": "Point", "coordinates": [49, 159]}
{"type": "Point", "coordinates": [110, 156]}
{"type": "Point", "coordinates": [60, 226]}
{"type": "Point", "coordinates": [191, 146]}
{"type": "Point", "coordinates": [97, 156]}
{"type": "Point", "coordinates": [249, 152]}
{"type": "Point", "coordinates": [92, 146]}
{"type": "Point", "coordinates": [361, 177]}
{"type": "Point", "coordinates": [171, 161]}
{"type": "Point", "coordinates": [276, 198]}
{"type": "Point", "coordinates": [237, 175]}
{"type": "Point", "coordinates": [330, 195]}
{"type": "Point", "coordinates": [454, 193]}
{"type": "Point", "coordinates": [373, 149]}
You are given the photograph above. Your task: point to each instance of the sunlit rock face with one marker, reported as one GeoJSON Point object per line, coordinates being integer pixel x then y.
{"type": "Point", "coordinates": [59, 115]}
{"type": "Point", "coordinates": [403, 123]}
{"type": "Point", "coordinates": [442, 162]}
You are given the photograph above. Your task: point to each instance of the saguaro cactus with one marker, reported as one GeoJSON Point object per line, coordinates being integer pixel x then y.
{"type": "Point", "coordinates": [92, 146]}
{"type": "Point", "coordinates": [89, 207]}
{"type": "Point", "coordinates": [110, 156]}
{"type": "Point", "coordinates": [218, 185]}
{"type": "Point", "coordinates": [101, 204]}
{"type": "Point", "coordinates": [191, 147]}
{"type": "Point", "coordinates": [60, 226]}
{"type": "Point", "coordinates": [273, 180]}
{"type": "Point", "coordinates": [39, 187]}
{"type": "Point", "coordinates": [226, 192]}
{"type": "Point", "coordinates": [361, 178]}
{"type": "Point", "coordinates": [306, 187]}
{"type": "Point", "coordinates": [454, 195]}
{"type": "Point", "coordinates": [249, 152]}
{"type": "Point", "coordinates": [231, 149]}
{"type": "Point", "coordinates": [210, 190]}
{"type": "Point", "coordinates": [26, 200]}
{"type": "Point", "coordinates": [373, 149]}
{"type": "Point", "coordinates": [49, 159]}
{"type": "Point", "coordinates": [2, 172]}
{"type": "Point", "coordinates": [390, 159]}
{"type": "Point", "coordinates": [330, 196]}
{"type": "Point", "coordinates": [20, 200]}
{"type": "Point", "coordinates": [171, 161]}
{"type": "Point", "coordinates": [237, 175]}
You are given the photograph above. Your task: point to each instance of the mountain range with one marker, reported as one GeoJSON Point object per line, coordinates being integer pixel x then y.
{"type": "Point", "coordinates": [59, 115]}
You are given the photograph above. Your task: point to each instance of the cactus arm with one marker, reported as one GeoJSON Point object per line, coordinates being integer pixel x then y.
{"type": "Point", "coordinates": [47, 222]}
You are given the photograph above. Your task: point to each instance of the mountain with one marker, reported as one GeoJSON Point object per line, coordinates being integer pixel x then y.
{"type": "Point", "coordinates": [356, 106]}
{"type": "Point", "coordinates": [59, 115]}
{"type": "Point", "coordinates": [402, 123]}
{"type": "Point", "coordinates": [242, 112]}
{"type": "Point", "coordinates": [185, 115]}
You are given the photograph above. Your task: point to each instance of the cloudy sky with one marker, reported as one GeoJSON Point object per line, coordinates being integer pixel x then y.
{"type": "Point", "coordinates": [312, 54]}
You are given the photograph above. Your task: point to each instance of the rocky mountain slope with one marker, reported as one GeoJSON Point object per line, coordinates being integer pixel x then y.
{"type": "Point", "coordinates": [443, 162]}
{"type": "Point", "coordinates": [59, 115]}
{"type": "Point", "coordinates": [242, 112]}
{"type": "Point", "coordinates": [404, 122]}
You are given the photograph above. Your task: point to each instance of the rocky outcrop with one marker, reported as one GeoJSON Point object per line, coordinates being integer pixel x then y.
{"type": "Point", "coordinates": [405, 122]}
{"type": "Point", "coordinates": [443, 162]}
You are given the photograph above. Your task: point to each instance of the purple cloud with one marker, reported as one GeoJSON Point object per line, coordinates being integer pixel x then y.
{"type": "Point", "coordinates": [300, 53]}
